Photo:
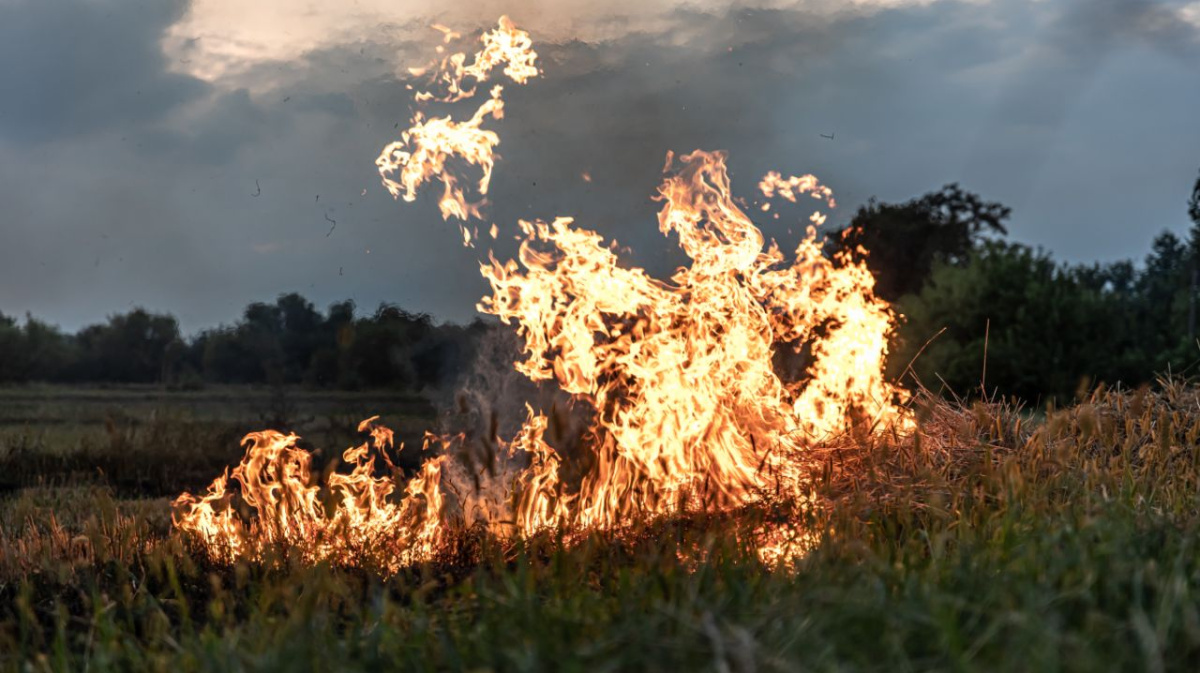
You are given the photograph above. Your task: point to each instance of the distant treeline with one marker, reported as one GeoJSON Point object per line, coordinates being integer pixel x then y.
{"type": "Point", "coordinates": [287, 342]}
{"type": "Point", "coordinates": [1048, 329]}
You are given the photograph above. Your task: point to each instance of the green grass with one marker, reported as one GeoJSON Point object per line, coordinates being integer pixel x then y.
{"type": "Point", "coordinates": [990, 541]}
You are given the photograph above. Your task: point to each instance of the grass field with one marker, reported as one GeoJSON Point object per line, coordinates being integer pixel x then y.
{"type": "Point", "coordinates": [144, 441]}
{"type": "Point", "coordinates": [993, 539]}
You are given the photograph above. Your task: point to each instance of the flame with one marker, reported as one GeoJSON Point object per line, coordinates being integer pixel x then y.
{"type": "Point", "coordinates": [680, 372]}
{"type": "Point", "coordinates": [275, 477]}
{"type": "Point", "coordinates": [688, 407]}
{"type": "Point", "coordinates": [774, 184]}
{"type": "Point", "coordinates": [423, 150]}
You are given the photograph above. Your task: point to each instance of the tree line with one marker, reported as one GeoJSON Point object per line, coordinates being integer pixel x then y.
{"type": "Point", "coordinates": [984, 314]}
{"type": "Point", "coordinates": [285, 342]}
{"type": "Point", "coordinates": [981, 314]}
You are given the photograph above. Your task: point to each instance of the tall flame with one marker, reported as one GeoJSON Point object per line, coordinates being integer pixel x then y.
{"type": "Point", "coordinates": [681, 372]}
{"type": "Point", "coordinates": [688, 406]}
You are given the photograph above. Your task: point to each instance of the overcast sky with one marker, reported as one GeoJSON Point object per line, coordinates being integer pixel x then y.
{"type": "Point", "coordinates": [191, 157]}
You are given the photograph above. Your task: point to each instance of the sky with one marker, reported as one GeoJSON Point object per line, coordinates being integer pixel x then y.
{"type": "Point", "coordinates": [193, 157]}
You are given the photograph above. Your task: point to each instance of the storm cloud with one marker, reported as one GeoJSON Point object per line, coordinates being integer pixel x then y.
{"type": "Point", "coordinates": [70, 69]}
{"type": "Point", "coordinates": [174, 158]}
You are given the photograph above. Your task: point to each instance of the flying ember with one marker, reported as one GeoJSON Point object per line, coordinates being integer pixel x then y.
{"type": "Point", "coordinates": [686, 406]}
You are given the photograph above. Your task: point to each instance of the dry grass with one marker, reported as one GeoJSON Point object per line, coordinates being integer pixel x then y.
{"type": "Point", "coordinates": [993, 538]}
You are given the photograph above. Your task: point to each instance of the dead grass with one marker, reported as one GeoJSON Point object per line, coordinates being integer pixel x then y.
{"type": "Point", "coordinates": [991, 539]}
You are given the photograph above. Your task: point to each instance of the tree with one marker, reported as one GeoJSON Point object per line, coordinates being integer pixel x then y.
{"type": "Point", "coordinates": [130, 348]}
{"type": "Point", "coordinates": [381, 350]}
{"type": "Point", "coordinates": [903, 242]}
{"type": "Point", "coordinates": [285, 342]}
{"type": "Point", "coordinates": [331, 362]}
{"type": "Point", "coordinates": [227, 357]}
{"type": "Point", "coordinates": [33, 352]}
{"type": "Point", "coordinates": [301, 334]}
{"type": "Point", "coordinates": [1162, 305]}
{"type": "Point", "coordinates": [11, 345]}
{"type": "Point", "coordinates": [48, 352]}
{"type": "Point", "coordinates": [1194, 255]}
{"type": "Point", "coordinates": [1045, 328]}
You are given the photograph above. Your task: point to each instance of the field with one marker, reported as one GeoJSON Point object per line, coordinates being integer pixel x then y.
{"type": "Point", "coordinates": [146, 442]}
{"type": "Point", "coordinates": [993, 539]}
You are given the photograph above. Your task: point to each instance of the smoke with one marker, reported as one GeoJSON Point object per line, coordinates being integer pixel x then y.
{"type": "Point", "coordinates": [486, 411]}
{"type": "Point", "coordinates": [491, 401]}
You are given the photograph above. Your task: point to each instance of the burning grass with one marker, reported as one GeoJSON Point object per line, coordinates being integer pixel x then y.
{"type": "Point", "coordinates": [990, 539]}
{"type": "Point", "coordinates": [687, 411]}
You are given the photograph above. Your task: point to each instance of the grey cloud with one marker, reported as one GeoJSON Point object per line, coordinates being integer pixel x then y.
{"type": "Point", "coordinates": [1118, 72]}
{"type": "Point", "coordinates": [227, 123]}
{"type": "Point", "coordinates": [1078, 40]}
{"type": "Point", "coordinates": [71, 68]}
{"type": "Point", "coordinates": [1092, 26]}
{"type": "Point", "coordinates": [917, 96]}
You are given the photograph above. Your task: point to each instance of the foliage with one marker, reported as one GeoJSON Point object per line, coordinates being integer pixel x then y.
{"type": "Point", "coordinates": [131, 348]}
{"type": "Point", "coordinates": [31, 351]}
{"type": "Point", "coordinates": [905, 241]}
{"type": "Point", "coordinates": [1049, 328]}
{"type": "Point", "coordinates": [1194, 204]}
{"type": "Point", "coordinates": [1039, 329]}
{"type": "Point", "coordinates": [1046, 328]}
{"type": "Point", "coordinates": [285, 342]}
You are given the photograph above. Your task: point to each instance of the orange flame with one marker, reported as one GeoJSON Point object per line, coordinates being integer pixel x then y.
{"type": "Point", "coordinates": [690, 409]}
{"type": "Point", "coordinates": [681, 373]}
{"type": "Point", "coordinates": [423, 150]}
{"type": "Point", "coordinates": [774, 184]}
{"type": "Point", "coordinates": [276, 482]}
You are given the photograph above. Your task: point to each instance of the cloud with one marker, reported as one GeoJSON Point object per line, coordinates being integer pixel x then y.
{"type": "Point", "coordinates": [1191, 14]}
{"type": "Point", "coordinates": [1072, 51]}
{"type": "Point", "coordinates": [72, 68]}
{"type": "Point", "coordinates": [215, 131]}
{"type": "Point", "coordinates": [216, 186]}
{"type": "Point", "coordinates": [224, 40]}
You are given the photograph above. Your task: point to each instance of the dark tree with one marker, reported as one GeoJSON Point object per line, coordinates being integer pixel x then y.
{"type": "Point", "coordinates": [1045, 328]}
{"type": "Point", "coordinates": [301, 335]}
{"type": "Point", "coordinates": [33, 352]}
{"type": "Point", "coordinates": [227, 358]}
{"type": "Point", "coordinates": [904, 241]}
{"type": "Point", "coordinates": [130, 348]}
{"type": "Point", "coordinates": [329, 362]}
{"type": "Point", "coordinates": [1162, 297]}
{"type": "Point", "coordinates": [381, 350]}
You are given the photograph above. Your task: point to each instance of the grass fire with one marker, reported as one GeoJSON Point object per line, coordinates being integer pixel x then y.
{"type": "Point", "coordinates": [767, 436]}
{"type": "Point", "coordinates": [687, 411]}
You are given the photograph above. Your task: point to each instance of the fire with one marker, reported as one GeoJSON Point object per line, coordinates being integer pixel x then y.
{"type": "Point", "coordinates": [680, 372]}
{"type": "Point", "coordinates": [276, 481]}
{"type": "Point", "coordinates": [689, 409]}
{"type": "Point", "coordinates": [423, 150]}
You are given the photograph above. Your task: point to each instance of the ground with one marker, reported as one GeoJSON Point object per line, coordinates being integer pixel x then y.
{"type": "Point", "coordinates": [993, 539]}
